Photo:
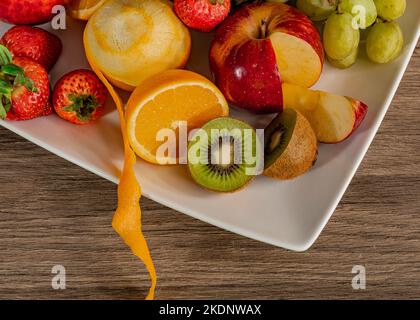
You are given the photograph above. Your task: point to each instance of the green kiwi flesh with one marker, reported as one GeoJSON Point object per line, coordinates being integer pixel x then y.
{"type": "Point", "coordinates": [277, 136]}
{"type": "Point", "coordinates": [290, 146]}
{"type": "Point", "coordinates": [227, 168]}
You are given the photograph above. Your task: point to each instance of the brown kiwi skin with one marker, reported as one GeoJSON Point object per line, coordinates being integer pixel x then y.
{"type": "Point", "coordinates": [299, 155]}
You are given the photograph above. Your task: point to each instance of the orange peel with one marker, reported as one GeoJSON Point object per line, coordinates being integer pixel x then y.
{"type": "Point", "coordinates": [127, 218]}
{"type": "Point", "coordinates": [133, 40]}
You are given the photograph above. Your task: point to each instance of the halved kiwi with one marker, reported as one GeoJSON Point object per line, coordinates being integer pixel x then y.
{"type": "Point", "coordinates": [224, 155]}
{"type": "Point", "coordinates": [290, 146]}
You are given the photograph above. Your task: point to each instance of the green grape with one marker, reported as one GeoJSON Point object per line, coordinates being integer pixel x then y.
{"type": "Point", "coordinates": [347, 62]}
{"type": "Point", "coordinates": [384, 42]}
{"type": "Point", "coordinates": [340, 38]}
{"type": "Point", "coordinates": [363, 11]}
{"type": "Point", "coordinates": [317, 10]}
{"type": "Point", "coordinates": [390, 9]}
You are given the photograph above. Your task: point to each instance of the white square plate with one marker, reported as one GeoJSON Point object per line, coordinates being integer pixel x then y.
{"type": "Point", "coordinates": [287, 214]}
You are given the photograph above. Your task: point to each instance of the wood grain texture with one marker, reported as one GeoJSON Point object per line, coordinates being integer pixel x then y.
{"type": "Point", "coordinates": [53, 212]}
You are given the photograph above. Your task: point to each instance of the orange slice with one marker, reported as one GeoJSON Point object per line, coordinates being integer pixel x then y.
{"type": "Point", "coordinates": [164, 100]}
{"type": "Point", "coordinates": [83, 9]}
{"type": "Point", "coordinates": [131, 40]}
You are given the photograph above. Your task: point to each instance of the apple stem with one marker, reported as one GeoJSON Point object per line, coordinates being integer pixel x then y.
{"type": "Point", "coordinates": [263, 28]}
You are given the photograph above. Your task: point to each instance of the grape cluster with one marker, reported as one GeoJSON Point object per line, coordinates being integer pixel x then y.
{"type": "Point", "coordinates": [345, 18]}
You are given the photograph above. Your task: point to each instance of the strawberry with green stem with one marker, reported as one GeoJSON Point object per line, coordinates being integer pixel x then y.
{"type": "Point", "coordinates": [24, 87]}
{"type": "Point", "coordinates": [79, 97]}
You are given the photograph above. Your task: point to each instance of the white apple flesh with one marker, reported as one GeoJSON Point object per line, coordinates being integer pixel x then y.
{"type": "Point", "coordinates": [333, 117]}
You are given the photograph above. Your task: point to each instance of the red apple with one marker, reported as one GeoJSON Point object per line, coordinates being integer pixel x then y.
{"type": "Point", "coordinates": [28, 11]}
{"type": "Point", "coordinates": [259, 47]}
{"type": "Point", "coordinates": [250, 83]}
{"type": "Point", "coordinates": [334, 118]}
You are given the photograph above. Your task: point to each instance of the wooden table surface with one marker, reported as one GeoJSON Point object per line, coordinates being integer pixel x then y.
{"type": "Point", "coordinates": [53, 212]}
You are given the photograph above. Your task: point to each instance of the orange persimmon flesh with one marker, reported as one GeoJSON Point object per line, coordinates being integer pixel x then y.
{"type": "Point", "coordinates": [127, 217]}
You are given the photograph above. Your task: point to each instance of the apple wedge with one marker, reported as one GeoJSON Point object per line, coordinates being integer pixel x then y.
{"type": "Point", "coordinates": [333, 118]}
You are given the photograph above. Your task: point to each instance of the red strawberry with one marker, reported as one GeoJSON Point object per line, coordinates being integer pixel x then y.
{"type": "Point", "coordinates": [28, 11]}
{"type": "Point", "coordinates": [202, 15]}
{"type": "Point", "coordinates": [24, 89]}
{"type": "Point", "coordinates": [48, 109]}
{"type": "Point", "coordinates": [79, 97]}
{"type": "Point", "coordinates": [35, 43]}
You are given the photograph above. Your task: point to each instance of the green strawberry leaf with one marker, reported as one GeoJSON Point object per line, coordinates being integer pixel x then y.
{"type": "Point", "coordinates": [83, 105]}
{"type": "Point", "coordinates": [30, 85]}
{"type": "Point", "coordinates": [12, 70]}
{"type": "Point", "coordinates": [7, 106]}
{"type": "Point", "coordinates": [19, 80]}
{"type": "Point", "coordinates": [5, 98]}
{"type": "Point", "coordinates": [5, 55]}
{"type": "Point", "coordinates": [3, 111]}
{"type": "Point", "coordinates": [5, 87]}
{"type": "Point", "coordinates": [18, 76]}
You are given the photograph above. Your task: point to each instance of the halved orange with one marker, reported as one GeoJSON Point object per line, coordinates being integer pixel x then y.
{"type": "Point", "coordinates": [164, 100]}
{"type": "Point", "coordinates": [83, 9]}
